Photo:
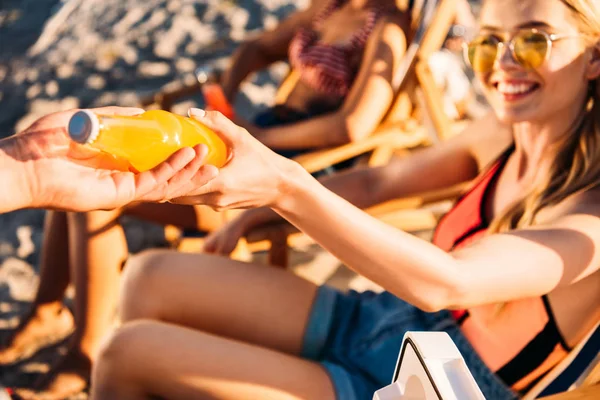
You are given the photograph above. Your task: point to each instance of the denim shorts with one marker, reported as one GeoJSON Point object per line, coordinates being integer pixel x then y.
{"type": "Point", "coordinates": [356, 337]}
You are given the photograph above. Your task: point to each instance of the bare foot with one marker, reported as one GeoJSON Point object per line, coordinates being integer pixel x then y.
{"type": "Point", "coordinates": [68, 378]}
{"type": "Point", "coordinates": [46, 325]}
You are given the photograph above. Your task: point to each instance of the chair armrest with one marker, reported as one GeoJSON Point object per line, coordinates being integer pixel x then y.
{"type": "Point", "coordinates": [435, 196]}
{"type": "Point", "coordinates": [585, 393]}
{"type": "Point", "coordinates": [278, 236]}
{"type": "Point", "coordinates": [268, 231]}
{"type": "Point", "coordinates": [392, 136]}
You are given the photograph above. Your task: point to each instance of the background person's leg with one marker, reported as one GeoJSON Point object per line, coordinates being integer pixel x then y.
{"type": "Point", "coordinates": [98, 249]}
{"type": "Point", "coordinates": [49, 320]}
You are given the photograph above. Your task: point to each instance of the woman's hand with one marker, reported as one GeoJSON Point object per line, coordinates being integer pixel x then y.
{"type": "Point", "coordinates": [224, 240]}
{"type": "Point", "coordinates": [60, 174]}
{"type": "Point", "coordinates": [255, 176]}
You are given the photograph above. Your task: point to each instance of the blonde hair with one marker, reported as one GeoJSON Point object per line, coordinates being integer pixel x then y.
{"type": "Point", "coordinates": [576, 165]}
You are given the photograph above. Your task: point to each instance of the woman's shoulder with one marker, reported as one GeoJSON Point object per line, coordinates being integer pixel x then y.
{"type": "Point", "coordinates": [391, 32]}
{"type": "Point", "coordinates": [586, 200]}
{"type": "Point", "coordinates": [583, 203]}
{"type": "Point", "coordinates": [390, 21]}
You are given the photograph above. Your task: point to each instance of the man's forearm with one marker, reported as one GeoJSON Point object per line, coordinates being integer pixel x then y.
{"type": "Point", "coordinates": [15, 192]}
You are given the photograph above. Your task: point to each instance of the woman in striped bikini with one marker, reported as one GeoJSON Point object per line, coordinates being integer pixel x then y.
{"type": "Point", "coordinates": [513, 274]}
{"type": "Point", "coordinates": [345, 53]}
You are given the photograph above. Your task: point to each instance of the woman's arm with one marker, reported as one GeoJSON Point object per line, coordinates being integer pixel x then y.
{"type": "Point", "coordinates": [269, 47]}
{"type": "Point", "coordinates": [498, 268]}
{"type": "Point", "coordinates": [365, 106]}
{"type": "Point", "coordinates": [456, 160]}
{"type": "Point", "coordinates": [560, 250]}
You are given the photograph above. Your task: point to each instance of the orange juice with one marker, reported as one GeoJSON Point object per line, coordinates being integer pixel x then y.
{"type": "Point", "coordinates": [147, 139]}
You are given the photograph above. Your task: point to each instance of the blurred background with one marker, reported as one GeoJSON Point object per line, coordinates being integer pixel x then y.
{"type": "Point", "coordinates": [62, 54]}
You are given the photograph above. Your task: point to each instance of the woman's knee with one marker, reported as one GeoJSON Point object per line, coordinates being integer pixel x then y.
{"type": "Point", "coordinates": [144, 277]}
{"type": "Point", "coordinates": [120, 354]}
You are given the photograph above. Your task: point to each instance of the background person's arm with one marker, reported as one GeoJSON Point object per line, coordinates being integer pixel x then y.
{"type": "Point", "coordinates": [267, 48]}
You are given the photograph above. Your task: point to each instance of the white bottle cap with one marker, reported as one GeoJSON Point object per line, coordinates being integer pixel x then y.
{"type": "Point", "coordinates": [84, 127]}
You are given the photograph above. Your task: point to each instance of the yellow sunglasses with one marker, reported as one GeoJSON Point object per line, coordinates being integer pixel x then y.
{"type": "Point", "coordinates": [529, 47]}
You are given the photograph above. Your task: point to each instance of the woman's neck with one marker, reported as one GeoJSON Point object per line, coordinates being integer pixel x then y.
{"type": "Point", "coordinates": [536, 143]}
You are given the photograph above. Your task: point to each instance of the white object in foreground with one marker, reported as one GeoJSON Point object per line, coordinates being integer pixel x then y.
{"type": "Point", "coordinates": [430, 367]}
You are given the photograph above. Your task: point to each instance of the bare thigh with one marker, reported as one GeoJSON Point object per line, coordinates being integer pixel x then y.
{"type": "Point", "coordinates": [149, 358]}
{"type": "Point", "coordinates": [248, 302]}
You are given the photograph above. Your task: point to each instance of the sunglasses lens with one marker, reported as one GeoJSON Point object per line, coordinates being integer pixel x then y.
{"type": "Point", "coordinates": [530, 49]}
{"type": "Point", "coordinates": [482, 53]}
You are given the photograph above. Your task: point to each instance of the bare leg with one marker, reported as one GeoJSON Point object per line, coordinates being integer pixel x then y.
{"type": "Point", "coordinates": [98, 249]}
{"type": "Point", "coordinates": [48, 321]}
{"type": "Point", "coordinates": [255, 315]}
{"type": "Point", "coordinates": [264, 306]}
{"type": "Point", "coordinates": [55, 274]}
{"type": "Point", "coordinates": [149, 358]}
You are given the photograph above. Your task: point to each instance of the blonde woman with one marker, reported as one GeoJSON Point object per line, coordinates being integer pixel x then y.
{"type": "Point", "coordinates": [513, 274]}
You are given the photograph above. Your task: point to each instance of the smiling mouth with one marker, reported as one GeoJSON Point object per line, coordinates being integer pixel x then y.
{"type": "Point", "coordinates": [513, 91]}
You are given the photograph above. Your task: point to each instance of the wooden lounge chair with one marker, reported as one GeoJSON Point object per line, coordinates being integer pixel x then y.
{"type": "Point", "coordinates": [410, 214]}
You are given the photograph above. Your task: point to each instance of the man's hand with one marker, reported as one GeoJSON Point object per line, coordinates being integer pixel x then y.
{"type": "Point", "coordinates": [57, 173]}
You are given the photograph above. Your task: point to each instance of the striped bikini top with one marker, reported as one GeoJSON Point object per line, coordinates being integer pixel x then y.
{"type": "Point", "coordinates": [331, 68]}
{"type": "Point", "coordinates": [521, 342]}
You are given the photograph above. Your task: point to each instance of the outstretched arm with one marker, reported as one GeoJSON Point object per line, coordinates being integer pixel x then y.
{"type": "Point", "coordinates": [453, 161]}
{"type": "Point", "coordinates": [558, 251]}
